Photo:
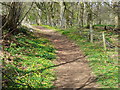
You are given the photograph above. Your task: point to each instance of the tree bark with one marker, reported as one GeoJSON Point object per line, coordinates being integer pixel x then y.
{"type": "Point", "coordinates": [62, 7]}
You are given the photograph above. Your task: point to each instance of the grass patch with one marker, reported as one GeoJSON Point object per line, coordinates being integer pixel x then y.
{"type": "Point", "coordinates": [26, 61]}
{"type": "Point", "coordinates": [103, 66]}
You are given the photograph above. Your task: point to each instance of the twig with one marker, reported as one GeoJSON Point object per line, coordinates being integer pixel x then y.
{"type": "Point", "coordinates": [25, 14]}
{"type": "Point", "coordinates": [5, 4]}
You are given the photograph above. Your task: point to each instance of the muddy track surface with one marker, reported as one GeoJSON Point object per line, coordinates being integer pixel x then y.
{"type": "Point", "coordinates": [72, 69]}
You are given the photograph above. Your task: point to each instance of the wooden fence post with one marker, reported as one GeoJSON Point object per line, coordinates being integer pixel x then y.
{"type": "Point", "coordinates": [104, 42]}
{"type": "Point", "coordinates": [1, 57]}
{"type": "Point", "coordinates": [116, 50]}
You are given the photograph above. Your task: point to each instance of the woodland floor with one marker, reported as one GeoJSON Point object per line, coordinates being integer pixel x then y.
{"type": "Point", "coordinates": [72, 69]}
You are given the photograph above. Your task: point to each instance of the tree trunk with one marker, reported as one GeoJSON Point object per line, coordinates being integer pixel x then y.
{"type": "Point", "coordinates": [117, 19]}
{"type": "Point", "coordinates": [61, 13]}
{"type": "Point", "coordinates": [82, 13]}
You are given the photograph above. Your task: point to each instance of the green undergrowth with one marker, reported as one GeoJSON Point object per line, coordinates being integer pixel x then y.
{"type": "Point", "coordinates": [28, 63]}
{"type": "Point", "coordinates": [103, 66]}
{"type": "Point", "coordinates": [104, 25]}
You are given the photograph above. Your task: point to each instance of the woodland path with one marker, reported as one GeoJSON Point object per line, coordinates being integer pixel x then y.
{"type": "Point", "coordinates": [72, 69]}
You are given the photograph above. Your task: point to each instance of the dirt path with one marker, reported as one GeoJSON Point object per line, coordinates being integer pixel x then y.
{"type": "Point", "coordinates": [72, 68]}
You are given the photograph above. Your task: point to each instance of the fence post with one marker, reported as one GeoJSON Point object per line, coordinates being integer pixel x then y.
{"type": "Point", "coordinates": [116, 50]}
{"type": "Point", "coordinates": [1, 57]}
{"type": "Point", "coordinates": [104, 42]}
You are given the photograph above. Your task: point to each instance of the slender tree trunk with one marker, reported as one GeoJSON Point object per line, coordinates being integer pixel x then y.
{"type": "Point", "coordinates": [61, 13]}
{"type": "Point", "coordinates": [98, 13]}
{"type": "Point", "coordinates": [82, 13]}
{"type": "Point", "coordinates": [78, 15]}
{"type": "Point", "coordinates": [89, 14]}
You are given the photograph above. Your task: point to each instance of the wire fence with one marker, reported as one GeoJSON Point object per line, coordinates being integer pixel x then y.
{"type": "Point", "coordinates": [99, 36]}
{"type": "Point", "coordinates": [102, 39]}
